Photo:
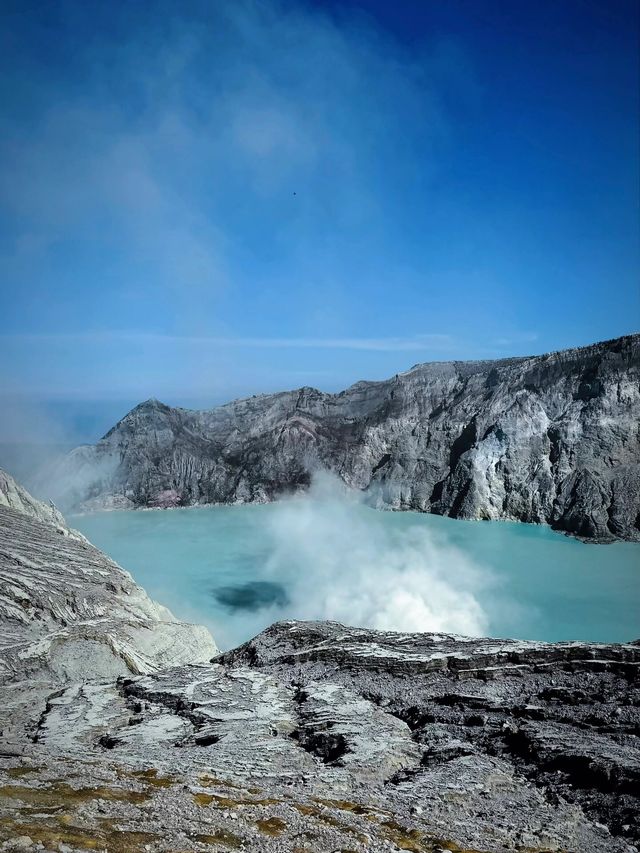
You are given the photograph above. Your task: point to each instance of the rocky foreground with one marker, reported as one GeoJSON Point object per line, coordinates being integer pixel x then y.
{"type": "Point", "coordinates": [550, 439]}
{"type": "Point", "coordinates": [118, 733]}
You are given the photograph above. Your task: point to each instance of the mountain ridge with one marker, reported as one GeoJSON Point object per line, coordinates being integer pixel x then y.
{"type": "Point", "coordinates": [367, 382]}
{"type": "Point", "coordinates": [547, 439]}
{"type": "Point", "coordinates": [62, 602]}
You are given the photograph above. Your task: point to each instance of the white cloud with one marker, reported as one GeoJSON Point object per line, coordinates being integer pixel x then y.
{"type": "Point", "coordinates": [252, 99]}
{"type": "Point", "coordinates": [419, 342]}
{"type": "Point", "coordinates": [156, 193]}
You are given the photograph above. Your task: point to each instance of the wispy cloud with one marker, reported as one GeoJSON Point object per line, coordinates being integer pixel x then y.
{"type": "Point", "coordinates": [418, 342]}
{"type": "Point", "coordinates": [175, 164]}
{"type": "Point", "coordinates": [241, 176]}
{"type": "Point", "coordinates": [516, 339]}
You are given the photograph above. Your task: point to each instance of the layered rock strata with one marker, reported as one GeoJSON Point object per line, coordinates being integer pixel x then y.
{"type": "Point", "coordinates": [549, 439]}
{"type": "Point", "coordinates": [320, 737]}
{"type": "Point", "coordinates": [118, 733]}
{"type": "Point", "coordinates": [67, 610]}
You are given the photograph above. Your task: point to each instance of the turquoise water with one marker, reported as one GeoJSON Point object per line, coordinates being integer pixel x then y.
{"type": "Point", "coordinates": [239, 568]}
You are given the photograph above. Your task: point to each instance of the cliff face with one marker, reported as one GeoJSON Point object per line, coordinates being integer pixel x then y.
{"type": "Point", "coordinates": [16, 497]}
{"type": "Point", "coordinates": [552, 438]}
{"type": "Point", "coordinates": [118, 733]}
{"type": "Point", "coordinates": [66, 608]}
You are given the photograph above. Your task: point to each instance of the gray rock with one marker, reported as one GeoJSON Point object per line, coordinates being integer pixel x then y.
{"type": "Point", "coordinates": [14, 496]}
{"type": "Point", "coordinates": [355, 740]}
{"type": "Point", "coordinates": [66, 608]}
{"type": "Point", "coordinates": [117, 733]}
{"type": "Point", "coordinates": [551, 439]}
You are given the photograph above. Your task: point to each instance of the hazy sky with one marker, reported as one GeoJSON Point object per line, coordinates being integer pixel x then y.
{"type": "Point", "coordinates": [205, 200]}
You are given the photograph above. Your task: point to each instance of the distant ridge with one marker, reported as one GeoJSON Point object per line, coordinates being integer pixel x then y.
{"type": "Point", "coordinates": [549, 439]}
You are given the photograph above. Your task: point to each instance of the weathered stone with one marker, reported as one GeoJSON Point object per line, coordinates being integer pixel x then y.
{"type": "Point", "coordinates": [117, 733]}
{"type": "Point", "coordinates": [551, 438]}
{"type": "Point", "coordinates": [66, 608]}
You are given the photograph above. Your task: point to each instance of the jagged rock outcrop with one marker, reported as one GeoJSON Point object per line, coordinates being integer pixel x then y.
{"type": "Point", "coordinates": [311, 736]}
{"type": "Point", "coordinates": [66, 608]}
{"type": "Point", "coordinates": [14, 496]}
{"type": "Point", "coordinates": [552, 438]}
{"type": "Point", "coordinates": [314, 736]}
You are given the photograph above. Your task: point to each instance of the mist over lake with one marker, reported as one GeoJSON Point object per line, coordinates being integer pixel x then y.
{"type": "Point", "coordinates": [237, 569]}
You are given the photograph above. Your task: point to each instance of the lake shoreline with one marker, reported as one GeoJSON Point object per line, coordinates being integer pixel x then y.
{"type": "Point", "coordinates": [383, 509]}
{"type": "Point", "coordinates": [510, 579]}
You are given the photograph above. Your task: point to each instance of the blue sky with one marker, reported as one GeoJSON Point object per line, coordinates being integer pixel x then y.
{"type": "Point", "coordinates": [205, 200]}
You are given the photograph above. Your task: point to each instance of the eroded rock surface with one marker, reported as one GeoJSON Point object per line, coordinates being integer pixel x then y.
{"type": "Point", "coordinates": [16, 497]}
{"type": "Point", "coordinates": [314, 736]}
{"type": "Point", "coordinates": [66, 609]}
{"type": "Point", "coordinates": [118, 733]}
{"type": "Point", "coordinates": [550, 438]}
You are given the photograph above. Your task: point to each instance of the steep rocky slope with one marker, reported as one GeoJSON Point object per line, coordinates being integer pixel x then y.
{"type": "Point", "coordinates": [14, 496]}
{"type": "Point", "coordinates": [118, 734]}
{"type": "Point", "coordinates": [552, 438]}
{"type": "Point", "coordinates": [66, 608]}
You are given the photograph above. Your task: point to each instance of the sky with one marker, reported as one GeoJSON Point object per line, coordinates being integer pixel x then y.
{"type": "Point", "coordinates": [200, 201]}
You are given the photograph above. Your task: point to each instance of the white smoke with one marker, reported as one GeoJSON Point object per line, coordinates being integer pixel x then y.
{"type": "Point", "coordinates": [337, 561]}
{"type": "Point", "coordinates": [324, 554]}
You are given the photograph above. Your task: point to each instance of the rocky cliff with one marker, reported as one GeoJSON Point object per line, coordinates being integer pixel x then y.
{"type": "Point", "coordinates": [66, 608]}
{"type": "Point", "coordinates": [118, 734]}
{"type": "Point", "coordinates": [15, 496]}
{"type": "Point", "coordinates": [552, 438]}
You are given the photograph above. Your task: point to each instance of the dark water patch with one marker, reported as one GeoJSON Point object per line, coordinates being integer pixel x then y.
{"type": "Point", "coordinates": [251, 596]}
